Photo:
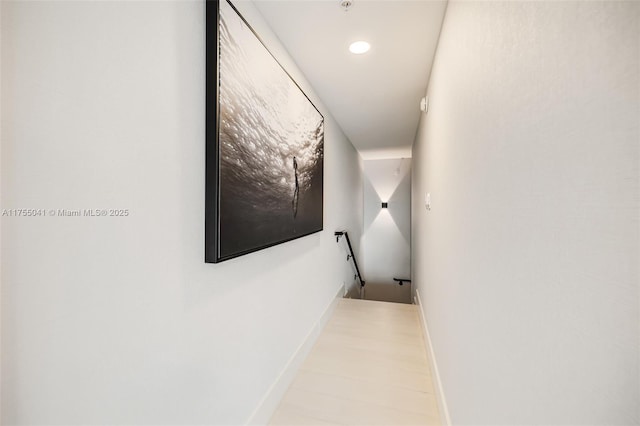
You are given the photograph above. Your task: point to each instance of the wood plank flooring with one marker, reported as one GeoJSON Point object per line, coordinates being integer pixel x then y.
{"type": "Point", "coordinates": [368, 367]}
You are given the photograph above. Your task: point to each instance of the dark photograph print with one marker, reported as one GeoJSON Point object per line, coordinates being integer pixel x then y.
{"type": "Point", "coordinates": [265, 144]}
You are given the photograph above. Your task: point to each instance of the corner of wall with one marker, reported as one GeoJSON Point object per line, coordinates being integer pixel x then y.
{"type": "Point", "coordinates": [269, 403]}
{"type": "Point", "coordinates": [440, 396]}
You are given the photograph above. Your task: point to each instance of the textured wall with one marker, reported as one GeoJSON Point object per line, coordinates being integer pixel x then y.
{"type": "Point", "coordinates": [119, 320]}
{"type": "Point", "coordinates": [527, 263]}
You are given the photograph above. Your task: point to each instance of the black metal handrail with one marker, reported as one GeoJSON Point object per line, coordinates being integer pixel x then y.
{"type": "Point", "coordinates": [351, 256]}
{"type": "Point", "coordinates": [401, 281]}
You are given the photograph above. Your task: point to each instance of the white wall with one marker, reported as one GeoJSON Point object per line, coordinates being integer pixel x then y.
{"type": "Point", "coordinates": [527, 263]}
{"type": "Point", "coordinates": [1, 197]}
{"type": "Point", "coordinates": [119, 320]}
{"type": "Point", "coordinates": [386, 240]}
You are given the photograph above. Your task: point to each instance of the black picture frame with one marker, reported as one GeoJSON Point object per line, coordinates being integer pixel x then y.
{"type": "Point", "coordinates": [264, 144]}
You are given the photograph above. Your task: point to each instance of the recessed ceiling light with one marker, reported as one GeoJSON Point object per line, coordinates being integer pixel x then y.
{"type": "Point", "coordinates": [359, 47]}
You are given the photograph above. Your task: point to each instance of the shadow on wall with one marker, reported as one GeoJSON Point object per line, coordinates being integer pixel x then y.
{"type": "Point", "coordinates": [386, 242]}
{"type": "Point", "coordinates": [398, 202]}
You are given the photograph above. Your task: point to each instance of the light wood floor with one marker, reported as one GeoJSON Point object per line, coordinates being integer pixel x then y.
{"type": "Point", "coordinates": [368, 367]}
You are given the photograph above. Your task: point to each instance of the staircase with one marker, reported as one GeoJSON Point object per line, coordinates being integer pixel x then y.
{"type": "Point", "coordinates": [383, 293]}
{"type": "Point", "coordinates": [399, 291]}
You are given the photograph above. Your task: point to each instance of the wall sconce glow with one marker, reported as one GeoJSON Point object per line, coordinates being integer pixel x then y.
{"type": "Point", "coordinates": [385, 205]}
{"type": "Point", "coordinates": [359, 47]}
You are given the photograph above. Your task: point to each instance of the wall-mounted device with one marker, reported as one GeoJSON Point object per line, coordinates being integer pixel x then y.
{"type": "Point", "coordinates": [424, 104]}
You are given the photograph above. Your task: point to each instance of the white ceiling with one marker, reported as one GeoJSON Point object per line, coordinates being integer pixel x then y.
{"type": "Point", "coordinates": [375, 97]}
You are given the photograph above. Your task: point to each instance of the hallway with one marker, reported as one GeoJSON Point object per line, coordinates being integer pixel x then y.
{"type": "Point", "coordinates": [369, 366]}
{"type": "Point", "coordinates": [514, 127]}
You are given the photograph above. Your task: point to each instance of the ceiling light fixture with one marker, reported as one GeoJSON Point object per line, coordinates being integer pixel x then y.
{"type": "Point", "coordinates": [359, 47]}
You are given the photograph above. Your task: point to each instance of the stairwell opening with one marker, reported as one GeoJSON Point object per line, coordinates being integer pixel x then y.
{"type": "Point", "coordinates": [386, 238]}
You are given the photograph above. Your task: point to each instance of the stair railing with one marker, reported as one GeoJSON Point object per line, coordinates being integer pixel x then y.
{"type": "Point", "coordinates": [351, 255]}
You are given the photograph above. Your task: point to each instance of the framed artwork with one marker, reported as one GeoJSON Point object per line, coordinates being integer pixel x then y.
{"type": "Point", "coordinates": [264, 144]}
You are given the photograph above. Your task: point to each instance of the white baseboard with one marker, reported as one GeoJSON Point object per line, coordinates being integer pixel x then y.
{"type": "Point", "coordinates": [442, 401]}
{"type": "Point", "coordinates": [269, 403]}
